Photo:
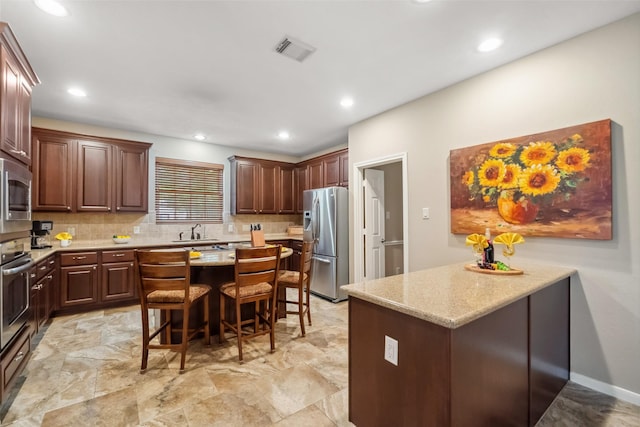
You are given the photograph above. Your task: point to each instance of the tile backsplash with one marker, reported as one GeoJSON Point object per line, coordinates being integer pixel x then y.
{"type": "Point", "coordinates": [96, 226]}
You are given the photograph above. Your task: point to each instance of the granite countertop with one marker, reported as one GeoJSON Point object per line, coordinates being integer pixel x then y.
{"type": "Point", "coordinates": [218, 258]}
{"type": "Point", "coordinates": [451, 296]}
{"type": "Point", "coordinates": [138, 241]}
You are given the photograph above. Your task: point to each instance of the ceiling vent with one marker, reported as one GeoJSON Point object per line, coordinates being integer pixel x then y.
{"type": "Point", "coordinates": [294, 49]}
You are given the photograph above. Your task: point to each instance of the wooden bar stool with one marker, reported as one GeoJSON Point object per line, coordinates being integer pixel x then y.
{"type": "Point", "coordinates": [256, 281]}
{"type": "Point", "coordinates": [300, 280]}
{"type": "Point", "coordinates": [165, 285]}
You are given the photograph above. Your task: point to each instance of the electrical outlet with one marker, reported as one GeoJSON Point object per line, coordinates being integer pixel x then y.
{"type": "Point", "coordinates": [136, 230]}
{"type": "Point", "coordinates": [71, 230]}
{"type": "Point", "coordinates": [230, 228]}
{"type": "Point", "coordinates": [391, 350]}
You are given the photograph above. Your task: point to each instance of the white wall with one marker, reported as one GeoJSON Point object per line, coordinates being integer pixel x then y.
{"type": "Point", "coordinates": [591, 77]}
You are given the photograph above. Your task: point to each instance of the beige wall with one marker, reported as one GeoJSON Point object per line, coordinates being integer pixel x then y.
{"type": "Point", "coordinates": [592, 77]}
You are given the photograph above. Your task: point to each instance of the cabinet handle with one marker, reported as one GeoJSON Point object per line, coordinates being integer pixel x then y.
{"type": "Point", "coordinates": [32, 275]}
{"type": "Point", "coordinates": [44, 267]}
{"type": "Point", "coordinates": [50, 277]}
{"type": "Point", "coordinates": [68, 208]}
{"type": "Point", "coordinates": [19, 357]}
{"type": "Point", "coordinates": [79, 257]}
{"type": "Point", "coordinates": [118, 255]}
{"type": "Point", "coordinates": [95, 268]}
{"type": "Point", "coordinates": [118, 208]}
{"type": "Point", "coordinates": [53, 261]}
{"type": "Point", "coordinates": [34, 288]}
{"type": "Point", "coordinates": [131, 264]}
{"type": "Point", "coordinates": [108, 209]}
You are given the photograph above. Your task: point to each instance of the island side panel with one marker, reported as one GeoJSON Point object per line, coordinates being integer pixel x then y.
{"type": "Point", "coordinates": [414, 393]}
{"type": "Point", "coordinates": [489, 369]}
{"type": "Point", "coordinates": [549, 342]}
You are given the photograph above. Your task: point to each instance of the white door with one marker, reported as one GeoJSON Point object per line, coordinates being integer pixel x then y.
{"type": "Point", "coordinates": [374, 223]}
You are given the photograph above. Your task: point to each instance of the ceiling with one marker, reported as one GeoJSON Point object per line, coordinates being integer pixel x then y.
{"type": "Point", "coordinates": [177, 68]}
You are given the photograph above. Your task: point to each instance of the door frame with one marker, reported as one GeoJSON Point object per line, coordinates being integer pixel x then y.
{"type": "Point", "coordinates": [358, 211]}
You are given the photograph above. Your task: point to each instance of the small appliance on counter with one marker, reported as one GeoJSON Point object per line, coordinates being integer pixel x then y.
{"type": "Point", "coordinates": [41, 234]}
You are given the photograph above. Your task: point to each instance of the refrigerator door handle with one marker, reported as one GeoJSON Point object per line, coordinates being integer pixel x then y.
{"type": "Point", "coordinates": [322, 260]}
{"type": "Point", "coordinates": [316, 219]}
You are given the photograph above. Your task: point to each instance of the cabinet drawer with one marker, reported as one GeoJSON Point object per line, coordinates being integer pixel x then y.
{"type": "Point", "coordinates": [78, 258]}
{"type": "Point", "coordinates": [45, 266]}
{"type": "Point", "coordinates": [118, 256]}
{"type": "Point", "coordinates": [14, 359]}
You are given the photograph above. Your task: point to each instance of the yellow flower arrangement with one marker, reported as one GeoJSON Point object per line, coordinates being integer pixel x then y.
{"type": "Point", "coordinates": [540, 169]}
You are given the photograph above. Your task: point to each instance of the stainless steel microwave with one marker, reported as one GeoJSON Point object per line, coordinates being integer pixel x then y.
{"type": "Point", "coordinates": [15, 197]}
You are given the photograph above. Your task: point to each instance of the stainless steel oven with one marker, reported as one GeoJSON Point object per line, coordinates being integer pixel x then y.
{"type": "Point", "coordinates": [15, 197]}
{"type": "Point", "coordinates": [14, 285]}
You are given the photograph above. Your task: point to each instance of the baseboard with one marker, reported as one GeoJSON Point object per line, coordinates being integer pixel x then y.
{"type": "Point", "coordinates": [611, 390]}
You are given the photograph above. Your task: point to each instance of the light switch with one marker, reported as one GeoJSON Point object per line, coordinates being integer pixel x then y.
{"type": "Point", "coordinates": [425, 213]}
{"type": "Point", "coordinates": [136, 229]}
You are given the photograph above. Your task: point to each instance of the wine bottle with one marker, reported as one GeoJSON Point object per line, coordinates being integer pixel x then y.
{"type": "Point", "coordinates": [488, 251]}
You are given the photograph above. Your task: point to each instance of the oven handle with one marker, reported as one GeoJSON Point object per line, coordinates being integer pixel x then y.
{"type": "Point", "coordinates": [19, 269]}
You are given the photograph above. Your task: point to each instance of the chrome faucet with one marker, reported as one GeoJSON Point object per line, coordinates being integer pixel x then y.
{"type": "Point", "coordinates": [193, 235]}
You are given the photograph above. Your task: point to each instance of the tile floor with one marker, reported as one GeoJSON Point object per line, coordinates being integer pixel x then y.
{"type": "Point", "coordinates": [85, 371]}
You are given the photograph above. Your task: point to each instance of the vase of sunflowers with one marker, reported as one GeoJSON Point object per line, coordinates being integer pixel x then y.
{"type": "Point", "coordinates": [519, 179]}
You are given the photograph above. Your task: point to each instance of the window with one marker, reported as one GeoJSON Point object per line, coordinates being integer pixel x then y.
{"type": "Point", "coordinates": [188, 191]}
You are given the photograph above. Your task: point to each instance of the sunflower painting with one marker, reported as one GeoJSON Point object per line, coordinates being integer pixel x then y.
{"type": "Point", "coordinates": [556, 183]}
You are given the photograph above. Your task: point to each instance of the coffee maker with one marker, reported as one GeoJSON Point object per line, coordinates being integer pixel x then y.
{"type": "Point", "coordinates": [40, 234]}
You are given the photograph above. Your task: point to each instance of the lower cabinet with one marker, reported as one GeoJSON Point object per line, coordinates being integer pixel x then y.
{"type": "Point", "coordinates": [90, 280]}
{"type": "Point", "coordinates": [43, 283]}
{"type": "Point", "coordinates": [118, 275]}
{"type": "Point", "coordinates": [13, 360]}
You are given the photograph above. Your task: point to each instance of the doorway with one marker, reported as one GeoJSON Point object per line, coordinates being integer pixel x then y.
{"type": "Point", "coordinates": [392, 207]}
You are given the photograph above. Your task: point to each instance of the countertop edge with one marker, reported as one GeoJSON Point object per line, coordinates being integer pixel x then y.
{"type": "Point", "coordinates": [454, 322]}
{"type": "Point", "coordinates": [108, 244]}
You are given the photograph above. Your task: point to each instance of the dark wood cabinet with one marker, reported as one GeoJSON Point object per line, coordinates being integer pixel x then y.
{"type": "Point", "coordinates": [261, 186]}
{"type": "Point", "coordinates": [53, 172]}
{"type": "Point", "coordinates": [91, 280]}
{"type": "Point", "coordinates": [43, 282]}
{"type": "Point", "coordinates": [300, 184]}
{"type": "Point", "coordinates": [78, 279]}
{"type": "Point", "coordinates": [287, 201]}
{"type": "Point", "coordinates": [132, 182]}
{"type": "Point", "coordinates": [331, 167]}
{"type": "Point", "coordinates": [268, 188]}
{"type": "Point", "coordinates": [79, 173]}
{"type": "Point", "coordinates": [343, 159]}
{"type": "Point", "coordinates": [17, 79]}
{"type": "Point", "coordinates": [315, 174]}
{"type": "Point", "coordinates": [13, 359]}
{"type": "Point", "coordinates": [296, 257]}
{"type": "Point", "coordinates": [94, 191]}
{"type": "Point", "coordinates": [118, 275]}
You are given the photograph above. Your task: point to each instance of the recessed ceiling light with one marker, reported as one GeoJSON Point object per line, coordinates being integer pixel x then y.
{"type": "Point", "coordinates": [489, 45]}
{"type": "Point", "coordinates": [283, 134]}
{"type": "Point", "coordinates": [199, 137]}
{"type": "Point", "coordinates": [77, 92]}
{"type": "Point", "coordinates": [346, 102]}
{"type": "Point", "coordinates": [52, 7]}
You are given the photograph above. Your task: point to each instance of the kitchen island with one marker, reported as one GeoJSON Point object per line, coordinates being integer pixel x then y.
{"type": "Point", "coordinates": [472, 349]}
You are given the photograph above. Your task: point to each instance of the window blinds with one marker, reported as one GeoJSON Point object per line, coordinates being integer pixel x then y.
{"type": "Point", "coordinates": [188, 191]}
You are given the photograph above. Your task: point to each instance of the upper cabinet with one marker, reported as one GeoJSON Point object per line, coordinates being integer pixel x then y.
{"type": "Point", "coordinates": [17, 80]}
{"type": "Point", "coordinates": [261, 186]}
{"type": "Point", "coordinates": [79, 173]}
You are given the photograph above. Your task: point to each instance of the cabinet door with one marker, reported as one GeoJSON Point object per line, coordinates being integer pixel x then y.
{"type": "Point", "coordinates": [52, 173]}
{"type": "Point", "coordinates": [132, 178]}
{"type": "Point", "coordinates": [344, 169]}
{"type": "Point", "coordinates": [9, 103]}
{"type": "Point", "coordinates": [118, 281]}
{"type": "Point", "coordinates": [287, 190]}
{"type": "Point", "coordinates": [24, 122]}
{"type": "Point", "coordinates": [331, 167]}
{"type": "Point", "coordinates": [93, 180]}
{"type": "Point", "coordinates": [246, 187]}
{"type": "Point", "coordinates": [78, 285]}
{"type": "Point", "coordinates": [300, 182]}
{"type": "Point", "coordinates": [268, 188]}
{"type": "Point", "coordinates": [315, 174]}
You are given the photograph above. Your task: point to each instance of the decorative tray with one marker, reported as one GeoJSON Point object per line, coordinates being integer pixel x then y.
{"type": "Point", "coordinates": [473, 267]}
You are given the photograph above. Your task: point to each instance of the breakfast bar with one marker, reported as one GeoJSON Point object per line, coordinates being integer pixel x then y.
{"type": "Point", "coordinates": [451, 347]}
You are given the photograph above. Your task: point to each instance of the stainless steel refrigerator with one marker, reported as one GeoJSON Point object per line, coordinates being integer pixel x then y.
{"type": "Point", "coordinates": [326, 223]}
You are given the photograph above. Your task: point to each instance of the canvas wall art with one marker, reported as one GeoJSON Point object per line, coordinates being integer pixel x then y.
{"type": "Point", "coordinates": [555, 183]}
